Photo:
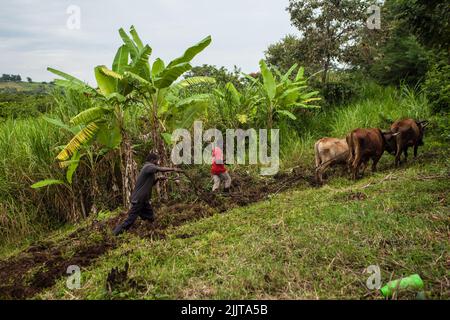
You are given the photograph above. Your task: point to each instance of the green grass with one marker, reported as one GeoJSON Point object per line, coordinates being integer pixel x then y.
{"type": "Point", "coordinates": [378, 107]}
{"type": "Point", "coordinates": [26, 156]}
{"type": "Point", "coordinates": [307, 243]}
{"type": "Point", "coordinates": [303, 244]}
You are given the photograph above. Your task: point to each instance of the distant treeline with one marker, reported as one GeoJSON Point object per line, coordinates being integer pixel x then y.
{"type": "Point", "coordinates": [10, 77]}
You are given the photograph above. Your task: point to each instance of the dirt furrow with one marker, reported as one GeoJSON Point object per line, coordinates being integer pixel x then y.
{"type": "Point", "coordinates": [41, 265]}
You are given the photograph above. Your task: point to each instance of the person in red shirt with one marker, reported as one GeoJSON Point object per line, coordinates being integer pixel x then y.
{"type": "Point", "coordinates": [218, 171]}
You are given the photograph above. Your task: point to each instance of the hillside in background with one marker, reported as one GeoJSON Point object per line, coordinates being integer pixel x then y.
{"type": "Point", "coordinates": [24, 99]}
{"type": "Point", "coordinates": [25, 87]}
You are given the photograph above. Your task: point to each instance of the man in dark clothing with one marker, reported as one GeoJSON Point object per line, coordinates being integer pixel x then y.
{"type": "Point", "coordinates": [142, 193]}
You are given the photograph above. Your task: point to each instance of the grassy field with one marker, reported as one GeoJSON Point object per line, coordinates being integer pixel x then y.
{"type": "Point", "coordinates": [263, 242]}
{"type": "Point", "coordinates": [23, 86]}
{"type": "Point", "coordinates": [307, 243]}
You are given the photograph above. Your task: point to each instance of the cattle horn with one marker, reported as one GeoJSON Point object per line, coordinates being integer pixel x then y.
{"type": "Point", "coordinates": [424, 123]}
{"type": "Point", "coordinates": [395, 134]}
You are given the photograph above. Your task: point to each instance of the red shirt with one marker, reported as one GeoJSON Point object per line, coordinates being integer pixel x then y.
{"type": "Point", "coordinates": [217, 168]}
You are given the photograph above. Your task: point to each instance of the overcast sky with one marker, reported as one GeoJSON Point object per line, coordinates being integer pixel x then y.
{"type": "Point", "coordinates": [34, 34]}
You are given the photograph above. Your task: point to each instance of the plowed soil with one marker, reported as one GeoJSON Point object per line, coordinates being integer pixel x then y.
{"type": "Point", "coordinates": [41, 265]}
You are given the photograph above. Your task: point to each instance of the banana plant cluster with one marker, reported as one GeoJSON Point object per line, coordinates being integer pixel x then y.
{"type": "Point", "coordinates": [280, 95]}
{"type": "Point", "coordinates": [265, 100]}
{"type": "Point", "coordinates": [235, 108]}
{"type": "Point", "coordinates": [132, 80]}
{"type": "Point", "coordinates": [156, 84]}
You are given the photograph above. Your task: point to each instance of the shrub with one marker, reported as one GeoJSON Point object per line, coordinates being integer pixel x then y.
{"type": "Point", "coordinates": [437, 88]}
{"type": "Point", "coordinates": [339, 92]}
{"type": "Point", "coordinates": [403, 60]}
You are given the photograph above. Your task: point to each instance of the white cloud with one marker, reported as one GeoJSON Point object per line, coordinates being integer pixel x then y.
{"type": "Point", "coordinates": [33, 35]}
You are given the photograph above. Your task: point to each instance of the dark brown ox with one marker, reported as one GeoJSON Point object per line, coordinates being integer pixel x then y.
{"type": "Point", "coordinates": [329, 152]}
{"type": "Point", "coordinates": [366, 144]}
{"type": "Point", "coordinates": [410, 134]}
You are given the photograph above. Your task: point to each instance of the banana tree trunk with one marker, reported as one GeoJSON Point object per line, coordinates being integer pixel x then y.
{"type": "Point", "coordinates": [270, 117]}
{"type": "Point", "coordinates": [160, 149]}
{"type": "Point", "coordinates": [128, 169]}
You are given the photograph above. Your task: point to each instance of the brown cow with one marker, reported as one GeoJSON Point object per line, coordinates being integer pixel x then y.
{"type": "Point", "coordinates": [328, 152]}
{"type": "Point", "coordinates": [410, 134]}
{"type": "Point", "coordinates": [366, 144]}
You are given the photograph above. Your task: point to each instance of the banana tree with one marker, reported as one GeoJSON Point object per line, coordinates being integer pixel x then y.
{"type": "Point", "coordinates": [131, 80]}
{"type": "Point", "coordinates": [156, 84]}
{"type": "Point", "coordinates": [280, 95]}
{"type": "Point", "coordinates": [236, 108]}
{"type": "Point", "coordinates": [105, 121]}
{"type": "Point", "coordinates": [76, 198]}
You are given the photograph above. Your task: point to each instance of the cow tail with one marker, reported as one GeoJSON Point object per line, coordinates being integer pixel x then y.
{"type": "Point", "coordinates": [317, 156]}
{"type": "Point", "coordinates": [351, 150]}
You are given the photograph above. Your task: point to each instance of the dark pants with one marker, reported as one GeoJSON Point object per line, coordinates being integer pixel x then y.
{"type": "Point", "coordinates": [138, 209]}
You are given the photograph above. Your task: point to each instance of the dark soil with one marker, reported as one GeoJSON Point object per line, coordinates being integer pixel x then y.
{"type": "Point", "coordinates": [42, 264]}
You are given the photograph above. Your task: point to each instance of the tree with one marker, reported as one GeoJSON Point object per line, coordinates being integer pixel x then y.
{"type": "Point", "coordinates": [29, 79]}
{"type": "Point", "coordinates": [328, 27]}
{"type": "Point", "coordinates": [396, 53]}
{"type": "Point", "coordinates": [130, 81]}
{"type": "Point", "coordinates": [105, 121]}
{"type": "Point", "coordinates": [10, 77]}
{"type": "Point", "coordinates": [156, 83]}
{"type": "Point", "coordinates": [428, 20]}
{"type": "Point", "coordinates": [221, 75]}
{"type": "Point", "coordinates": [234, 107]}
{"type": "Point", "coordinates": [402, 59]}
{"type": "Point", "coordinates": [289, 51]}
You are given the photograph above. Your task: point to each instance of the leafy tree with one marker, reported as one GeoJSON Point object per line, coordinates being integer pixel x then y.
{"type": "Point", "coordinates": [289, 51]}
{"type": "Point", "coordinates": [437, 88]}
{"type": "Point", "coordinates": [156, 86]}
{"type": "Point", "coordinates": [10, 77]}
{"type": "Point", "coordinates": [234, 107]}
{"type": "Point", "coordinates": [221, 75]}
{"type": "Point", "coordinates": [329, 28]}
{"type": "Point", "coordinates": [402, 59]}
{"type": "Point", "coordinates": [29, 79]}
{"type": "Point", "coordinates": [104, 121]}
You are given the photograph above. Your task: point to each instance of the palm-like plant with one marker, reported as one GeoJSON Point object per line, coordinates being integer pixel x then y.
{"type": "Point", "coordinates": [156, 85]}
{"type": "Point", "coordinates": [131, 80]}
{"type": "Point", "coordinates": [236, 108]}
{"type": "Point", "coordinates": [280, 95]}
{"type": "Point", "coordinates": [104, 121]}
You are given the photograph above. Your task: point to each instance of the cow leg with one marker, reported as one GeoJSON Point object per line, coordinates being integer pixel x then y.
{"type": "Point", "coordinates": [416, 146]}
{"type": "Point", "coordinates": [349, 166]}
{"type": "Point", "coordinates": [318, 175]}
{"type": "Point", "coordinates": [363, 167]}
{"type": "Point", "coordinates": [405, 152]}
{"type": "Point", "coordinates": [374, 163]}
{"type": "Point", "coordinates": [322, 169]}
{"type": "Point", "coordinates": [317, 158]}
{"type": "Point", "coordinates": [355, 167]}
{"type": "Point", "coordinates": [398, 154]}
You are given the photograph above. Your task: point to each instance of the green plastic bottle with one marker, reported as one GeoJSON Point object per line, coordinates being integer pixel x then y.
{"type": "Point", "coordinates": [413, 282]}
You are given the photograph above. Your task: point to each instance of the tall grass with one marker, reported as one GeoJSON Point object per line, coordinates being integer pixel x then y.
{"type": "Point", "coordinates": [28, 148]}
{"type": "Point", "coordinates": [380, 110]}
{"type": "Point", "coordinates": [26, 156]}
{"type": "Point", "coordinates": [377, 107]}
